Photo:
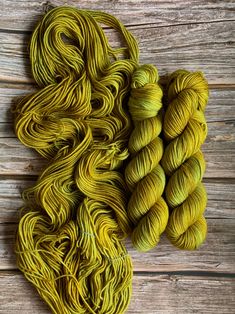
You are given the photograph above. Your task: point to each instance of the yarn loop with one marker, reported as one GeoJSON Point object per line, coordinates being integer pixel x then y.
{"type": "Point", "coordinates": [70, 238]}
{"type": "Point", "coordinates": [144, 175]}
{"type": "Point", "coordinates": [185, 130]}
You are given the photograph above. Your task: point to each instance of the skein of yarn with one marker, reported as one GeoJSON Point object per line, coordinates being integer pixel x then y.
{"type": "Point", "coordinates": [185, 130]}
{"type": "Point", "coordinates": [69, 242]}
{"type": "Point", "coordinates": [144, 175]}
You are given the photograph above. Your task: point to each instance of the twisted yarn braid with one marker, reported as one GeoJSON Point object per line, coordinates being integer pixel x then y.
{"type": "Point", "coordinates": [144, 175]}
{"type": "Point", "coordinates": [69, 240]}
{"type": "Point", "coordinates": [185, 130]}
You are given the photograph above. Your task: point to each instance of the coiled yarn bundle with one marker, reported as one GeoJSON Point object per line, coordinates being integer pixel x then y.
{"type": "Point", "coordinates": [70, 239]}
{"type": "Point", "coordinates": [185, 130]}
{"type": "Point", "coordinates": [144, 175]}
{"type": "Point", "coordinates": [69, 242]}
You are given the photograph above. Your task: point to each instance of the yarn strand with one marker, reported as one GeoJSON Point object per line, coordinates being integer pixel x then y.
{"type": "Point", "coordinates": [185, 130]}
{"type": "Point", "coordinates": [144, 175]}
{"type": "Point", "coordinates": [69, 242]}
{"type": "Point", "coordinates": [109, 172]}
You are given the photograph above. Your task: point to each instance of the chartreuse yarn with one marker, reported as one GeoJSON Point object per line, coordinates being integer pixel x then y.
{"type": "Point", "coordinates": [185, 130]}
{"type": "Point", "coordinates": [144, 175]}
{"type": "Point", "coordinates": [90, 196]}
{"type": "Point", "coordinates": [69, 242]}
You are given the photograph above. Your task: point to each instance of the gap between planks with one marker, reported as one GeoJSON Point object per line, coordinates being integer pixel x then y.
{"type": "Point", "coordinates": [149, 273]}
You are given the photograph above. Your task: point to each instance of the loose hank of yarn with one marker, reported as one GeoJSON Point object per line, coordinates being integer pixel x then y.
{"type": "Point", "coordinates": [144, 175]}
{"type": "Point", "coordinates": [185, 130]}
{"type": "Point", "coordinates": [69, 242]}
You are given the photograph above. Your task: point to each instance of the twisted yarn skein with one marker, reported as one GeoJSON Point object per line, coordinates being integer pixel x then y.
{"type": "Point", "coordinates": [69, 242]}
{"type": "Point", "coordinates": [144, 175]}
{"type": "Point", "coordinates": [185, 130]}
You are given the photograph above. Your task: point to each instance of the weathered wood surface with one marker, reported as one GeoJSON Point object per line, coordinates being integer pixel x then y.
{"type": "Point", "coordinates": [215, 255]}
{"type": "Point", "coordinates": [221, 233]}
{"type": "Point", "coordinates": [206, 47]}
{"type": "Point", "coordinates": [152, 294]}
{"type": "Point", "coordinates": [219, 147]}
{"type": "Point", "coordinates": [191, 34]}
{"type": "Point", "coordinates": [220, 105]}
{"type": "Point", "coordinates": [21, 15]}
{"type": "Point", "coordinates": [221, 197]}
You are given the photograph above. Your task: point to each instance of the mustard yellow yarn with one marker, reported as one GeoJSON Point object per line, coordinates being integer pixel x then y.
{"type": "Point", "coordinates": [69, 243]}
{"type": "Point", "coordinates": [144, 175]}
{"type": "Point", "coordinates": [185, 130]}
{"type": "Point", "coordinates": [69, 240]}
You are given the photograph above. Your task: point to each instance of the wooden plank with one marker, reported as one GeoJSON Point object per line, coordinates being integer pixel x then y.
{"type": "Point", "coordinates": [221, 197]}
{"type": "Point", "coordinates": [215, 255]}
{"type": "Point", "coordinates": [221, 104]}
{"type": "Point", "coordinates": [9, 94]}
{"type": "Point", "coordinates": [221, 232]}
{"type": "Point", "coordinates": [21, 15]}
{"type": "Point", "coordinates": [168, 39]}
{"type": "Point", "coordinates": [190, 47]}
{"type": "Point", "coordinates": [194, 47]}
{"type": "Point", "coordinates": [152, 294]}
{"type": "Point", "coordinates": [221, 134]}
{"type": "Point", "coordinates": [10, 198]}
{"type": "Point", "coordinates": [219, 150]}
{"type": "Point", "coordinates": [16, 159]}
{"type": "Point", "coordinates": [219, 146]}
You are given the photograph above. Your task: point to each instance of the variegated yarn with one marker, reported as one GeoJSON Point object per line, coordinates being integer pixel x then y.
{"type": "Point", "coordinates": [144, 175]}
{"type": "Point", "coordinates": [70, 239]}
{"type": "Point", "coordinates": [185, 130]}
{"type": "Point", "coordinates": [90, 196]}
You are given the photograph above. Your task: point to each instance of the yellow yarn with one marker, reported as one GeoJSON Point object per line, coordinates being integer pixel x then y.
{"type": "Point", "coordinates": [185, 130]}
{"type": "Point", "coordinates": [69, 241]}
{"type": "Point", "coordinates": [144, 175]}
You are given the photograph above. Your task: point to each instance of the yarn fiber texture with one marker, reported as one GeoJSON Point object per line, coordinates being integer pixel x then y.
{"type": "Point", "coordinates": [120, 160]}
{"type": "Point", "coordinates": [69, 241]}
{"type": "Point", "coordinates": [185, 130]}
{"type": "Point", "coordinates": [144, 175]}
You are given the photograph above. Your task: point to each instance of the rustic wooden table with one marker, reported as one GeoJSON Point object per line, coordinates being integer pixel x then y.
{"type": "Point", "coordinates": [187, 34]}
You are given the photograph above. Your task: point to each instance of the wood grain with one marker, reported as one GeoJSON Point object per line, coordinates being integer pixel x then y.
{"type": "Point", "coordinates": [191, 34]}
{"type": "Point", "coordinates": [221, 104]}
{"type": "Point", "coordinates": [160, 13]}
{"type": "Point", "coordinates": [221, 197]}
{"type": "Point", "coordinates": [218, 149]}
{"type": "Point", "coordinates": [206, 47]}
{"type": "Point", "coordinates": [221, 232]}
{"type": "Point", "coordinates": [152, 294]}
{"type": "Point", "coordinates": [215, 255]}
